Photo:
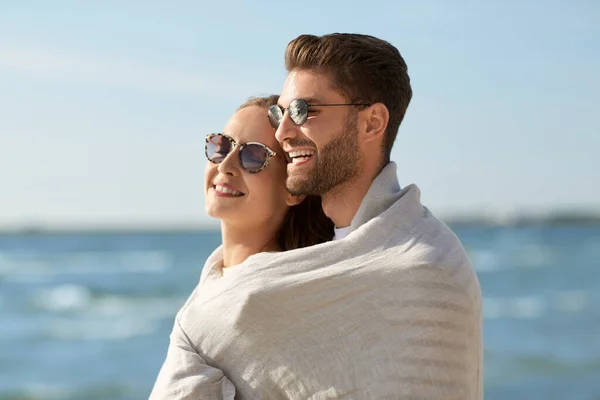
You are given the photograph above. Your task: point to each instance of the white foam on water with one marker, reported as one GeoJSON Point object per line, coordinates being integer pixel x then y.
{"type": "Point", "coordinates": [531, 307]}
{"type": "Point", "coordinates": [529, 256]}
{"type": "Point", "coordinates": [153, 260]}
{"type": "Point", "coordinates": [42, 268]}
{"type": "Point", "coordinates": [592, 247]}
{"type": "Point", "coordinates": [526, 307]}
{"type": "Point", "coordinates": [14, 269]}
{"type": "Point", "coordinates": [532, 255]}
{"type": "Point", "coordinates": [28, 278]}
{"type": "Point", "coordinates": [6, 265]}
{"type": "Point", "coordinates": [63, 298]}
{"type": "Point", "coordinates": [154, 308]}
{"type": "Point", "coordinates": [110, 317]}
{"type": "Point", "coordinates": [111, 306]}
{"type": "Point", "coordinates": [484, 260]}
{"type": "Point", "coordinates": [78, 298]}
{"type": "Point", "coordinates": [103, 329]}
{"type": "Point", "coordinates": [46, 392]}
{"type": "Point", "coordinates": [85, 262]}
{"type": "Point", "coordinates": [572, 301]}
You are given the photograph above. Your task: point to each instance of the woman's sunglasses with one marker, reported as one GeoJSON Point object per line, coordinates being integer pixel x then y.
{"type": "Point", "coordinates": [298, 111]}
{"type": "Point", "coordinates": [254, 156]}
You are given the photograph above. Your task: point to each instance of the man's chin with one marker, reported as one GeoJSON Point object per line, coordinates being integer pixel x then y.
{"type": "Point", "coordinates": [298, 186]}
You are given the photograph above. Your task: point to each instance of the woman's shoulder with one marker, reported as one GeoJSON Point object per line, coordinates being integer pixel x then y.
{"type": "Point", "coordinates": [213, 265]}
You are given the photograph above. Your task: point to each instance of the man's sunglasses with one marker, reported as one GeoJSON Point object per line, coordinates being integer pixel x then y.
{"type": "Point", "coordinates": [254, 156]}
{"type": "Point", "coordinates": [298, 111]}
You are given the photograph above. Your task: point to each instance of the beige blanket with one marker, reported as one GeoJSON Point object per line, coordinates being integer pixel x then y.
{"type": "Point", "coordinates": [393, 311]}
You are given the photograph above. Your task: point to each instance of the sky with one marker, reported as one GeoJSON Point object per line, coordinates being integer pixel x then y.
{"type": "Point", "coordinates": [104, 105]}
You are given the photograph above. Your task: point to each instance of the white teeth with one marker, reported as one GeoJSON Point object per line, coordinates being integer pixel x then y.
{"type": "Point", "coordinates": [301, 153]}
{"type": "Point", "coordinates": [223, 189]}
{"type": "Point", "coordinates": [296, 160]}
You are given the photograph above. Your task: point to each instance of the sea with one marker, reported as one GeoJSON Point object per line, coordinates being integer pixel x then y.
{"type": "Point", "coordinates": [88, 315]}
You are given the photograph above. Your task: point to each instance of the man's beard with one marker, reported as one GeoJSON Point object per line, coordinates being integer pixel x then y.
{"type": "Point", "coordinates": [335, 164]}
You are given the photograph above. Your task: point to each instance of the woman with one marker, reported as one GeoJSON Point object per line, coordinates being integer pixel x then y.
{"type": "Point", "coordinates": [244, 188]}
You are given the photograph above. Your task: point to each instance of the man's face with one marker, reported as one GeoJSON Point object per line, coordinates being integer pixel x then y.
{"type": "Point", "coordinates": [324, 151]}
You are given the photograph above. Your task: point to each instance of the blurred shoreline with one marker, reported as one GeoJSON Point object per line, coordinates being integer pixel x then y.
{"type": "Point", "coordinates": [573, 218]}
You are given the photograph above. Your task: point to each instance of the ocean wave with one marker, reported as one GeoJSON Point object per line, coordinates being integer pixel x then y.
{"type": "Point", "coordinates": [130, 261]}
{"type": "Point", "coordinates": [156, 307]}
{"type": "Point", "coordinates": [63, 298]}
{"type": "Point", "coordinates": [556, 365]}
{"type": "Point", "coordinates": [533, 256]}
{"type": "Point", "coordinates": [519, 307]}
{"type": "Point", "coordinates": [74, 312]}
{"type": "Point", "coordinates": [484, 260]}
{"type": "Point", "coordinates": [107, 329]}
{"type": "Point", "coordinates": [531, 307]}
{"type": "Point", "coordinates": [79, 298]}
{"type": "Point", "coordinates": [39, 267]}
{"type": "Point", "coordinates": [46, 391]}
{"type": "Point", "coordinates": [523, 256]}
{"type": "Point", "coordinates": [571, 301]}
{"type": "Point", "coordinates": [11, 264]}
{"type": "Point", "coordinates": [6, 266]}
{"type": "Point", "coordinates": [40, 392]}
{"type": "Point", "coordinates": [592, 247]}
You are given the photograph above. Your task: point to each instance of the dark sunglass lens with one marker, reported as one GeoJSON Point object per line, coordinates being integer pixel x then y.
{"type": "Point", "coordinates": [275, 116]}
{"type": "Point", "coordinates": [217, 148]}
{"type": "Point", "coordinates": [253, 157]}
{"type": "Point", "coordinates": [298, 111]}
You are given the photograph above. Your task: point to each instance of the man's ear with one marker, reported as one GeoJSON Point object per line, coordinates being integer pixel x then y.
{"type": "Point", "coordinates": [374, 121]}
{"type": "Point", "coordinates": [292, 200]}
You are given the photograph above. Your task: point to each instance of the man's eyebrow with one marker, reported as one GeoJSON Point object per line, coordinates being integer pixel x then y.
{"type": "Point", "coordinates": [308, 100]}
{"type": "Point", "coordinates": [312, 100]}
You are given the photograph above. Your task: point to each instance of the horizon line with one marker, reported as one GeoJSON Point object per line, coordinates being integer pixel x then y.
{"type": "Point", "coordinates": [574, 217]}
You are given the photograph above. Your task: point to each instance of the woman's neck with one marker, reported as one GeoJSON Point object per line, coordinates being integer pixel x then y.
{"type": "Point", "coordinates": [240, 242]}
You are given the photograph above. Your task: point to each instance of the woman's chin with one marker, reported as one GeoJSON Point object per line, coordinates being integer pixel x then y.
{"type": "Point", "coordinates": [226, 214]}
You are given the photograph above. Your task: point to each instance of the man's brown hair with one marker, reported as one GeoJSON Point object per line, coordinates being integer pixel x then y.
{"type": "Point", "coordinates": [363, 68]}
{"type": "Point", "coordinates": [305, 224]}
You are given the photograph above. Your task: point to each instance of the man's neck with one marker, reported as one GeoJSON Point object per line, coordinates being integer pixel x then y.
{"type": "Point", "coordinates": [341, 203]}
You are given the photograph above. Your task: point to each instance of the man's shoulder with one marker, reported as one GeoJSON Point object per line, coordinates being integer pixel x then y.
{"type": "Point", "coordinates": [433, 246]}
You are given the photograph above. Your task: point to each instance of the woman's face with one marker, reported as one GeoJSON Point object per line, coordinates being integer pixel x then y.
{"type": "Point", "coordinates": [236, 195]}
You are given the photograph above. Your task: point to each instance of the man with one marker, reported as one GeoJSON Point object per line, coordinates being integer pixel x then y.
{"type": "Point", "coordinates": [389, 309]}
{"type": "Point", "coordinates": [338, 115]}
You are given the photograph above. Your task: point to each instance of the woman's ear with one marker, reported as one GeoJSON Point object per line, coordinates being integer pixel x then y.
{"type": "Point", "coordinates": [292, 200]}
